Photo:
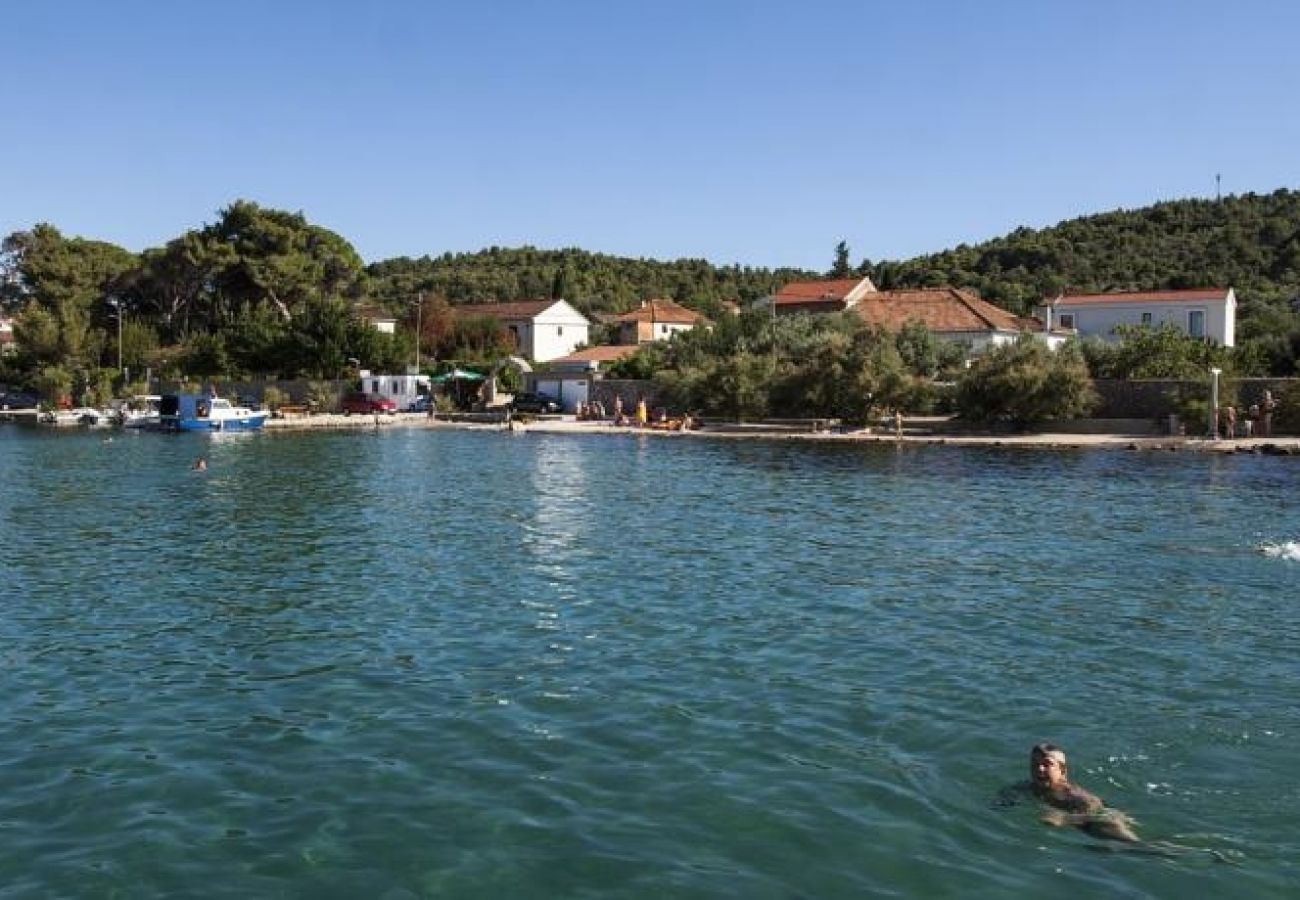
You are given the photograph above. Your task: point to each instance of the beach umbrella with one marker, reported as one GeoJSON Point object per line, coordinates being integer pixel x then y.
{"type": "Point", "coordinates": [457, 375]}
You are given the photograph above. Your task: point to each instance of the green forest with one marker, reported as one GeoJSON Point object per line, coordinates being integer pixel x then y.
{"type": "Point", "coordinates": [265, 293]}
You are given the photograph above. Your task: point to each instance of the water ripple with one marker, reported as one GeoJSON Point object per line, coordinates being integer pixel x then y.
{"type": "Point", "coordinates": [456, 664]}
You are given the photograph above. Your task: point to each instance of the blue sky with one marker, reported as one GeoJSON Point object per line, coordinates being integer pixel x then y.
{"type": "Point", "coordinates": [750, 132]}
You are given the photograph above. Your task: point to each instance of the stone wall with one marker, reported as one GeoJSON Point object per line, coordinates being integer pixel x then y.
{"type": "Point", "coordinates": [297, 390]}
{"type": "Point", "coordinates": [631, 390]}
{"type": "Point", "coordinates": [1157, 398]}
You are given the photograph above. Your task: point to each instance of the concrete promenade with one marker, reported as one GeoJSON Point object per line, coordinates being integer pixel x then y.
{"type": "Point", "coordinates": [932, 433]}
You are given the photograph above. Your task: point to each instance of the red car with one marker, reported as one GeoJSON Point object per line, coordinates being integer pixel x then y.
{"type": "Point", "coordinates": [361, 402]}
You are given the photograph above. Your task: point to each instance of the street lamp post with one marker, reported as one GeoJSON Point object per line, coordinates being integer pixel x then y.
{"type": "Point", "coordinates": [1214, 402]}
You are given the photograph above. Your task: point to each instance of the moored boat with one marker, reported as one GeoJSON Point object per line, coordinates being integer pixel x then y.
{"type": "Point", "coordinates": [140, 411]}
{"type": "Point", "coordinates": [206, 412]}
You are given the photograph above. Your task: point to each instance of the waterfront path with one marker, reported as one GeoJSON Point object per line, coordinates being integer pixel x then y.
{"type": "Point", "coordinates": [933, 434]}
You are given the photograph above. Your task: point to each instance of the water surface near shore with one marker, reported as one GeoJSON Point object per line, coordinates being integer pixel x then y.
{"type": "Point", "coordinates": [443, 663]}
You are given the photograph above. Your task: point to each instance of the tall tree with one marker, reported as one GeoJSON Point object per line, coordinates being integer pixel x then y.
{"type": "Point", "coordinates": [842, 268]}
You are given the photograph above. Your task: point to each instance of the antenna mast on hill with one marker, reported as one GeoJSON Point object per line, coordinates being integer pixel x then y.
{"type": "Point", "coordinates": [1218, 194]}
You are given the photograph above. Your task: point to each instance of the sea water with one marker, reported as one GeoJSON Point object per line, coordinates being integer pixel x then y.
{"type": "Point", "coordinates": [441, 663]}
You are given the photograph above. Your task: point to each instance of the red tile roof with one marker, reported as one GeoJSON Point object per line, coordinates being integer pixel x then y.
{"type": "Point", "coordinates": [373, 313]}
{"type": "Point", "coordinates": [1183, 296]}
{"type": "Point", "coordinates": [667, 311]}
{"type": "Point", "coordinates": [938, 309]}
{"type": "Point", "coordinates": [804, 291]}
{"type": "Point", "coordinates": [521, 309]}
{"type": "Point", "coordinates": [601, 354]}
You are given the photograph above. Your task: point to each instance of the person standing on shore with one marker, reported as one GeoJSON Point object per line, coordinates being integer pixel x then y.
{"type": "Point", "coordinates": [1266, 408]}
{"type": "Point", "coordinates": [642, 414]}
{"type": "Point", "coordinates": [1230, 422]}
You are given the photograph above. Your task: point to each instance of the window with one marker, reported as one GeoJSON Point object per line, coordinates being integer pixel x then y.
{"type": "Point", "coordinates": [1067, 320]}
{"type": "Point", "coordinates": [1146, 318]}
{"type": "Point", "coordinates": [559, 330]}
{"type": "Point", "coordinates": [1196, 323]}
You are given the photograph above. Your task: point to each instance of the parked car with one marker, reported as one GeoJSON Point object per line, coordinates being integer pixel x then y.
{"type": "Point", "coordinates": [18, 400]}
{"type": "Point", "coordinates": [361, 402]}
{"type": "Point", "coordinates": [529, 402]}
{"type": "Point", "coordinates": [420, 405]}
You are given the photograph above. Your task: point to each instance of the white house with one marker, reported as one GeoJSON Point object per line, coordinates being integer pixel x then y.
{"type": "Point", "coordinates": [543, 329]}
{"type": "Point", "coordinates": [1209, 313]}
{"type": "Point", "coordinates": [569, 378]}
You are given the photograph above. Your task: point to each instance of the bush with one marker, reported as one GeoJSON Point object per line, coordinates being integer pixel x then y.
{"type": "Point", "coordinates": [323, 396]}
{"type": "Point", "coordinates": [53, 383]}
{"type": "Point", "coordinates": [1286, 418]}
{"type": "Point", "coordinates": [1025, 382]}
{"type": "Point", "coordinates": [273, 398]}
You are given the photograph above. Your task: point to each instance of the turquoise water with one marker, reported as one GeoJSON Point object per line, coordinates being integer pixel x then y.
{"type": "Point", "coordinates": [428, 663]}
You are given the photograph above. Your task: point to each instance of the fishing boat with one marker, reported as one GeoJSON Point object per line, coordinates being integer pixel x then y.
{"type": "Point", "coordinates": [206, 412]}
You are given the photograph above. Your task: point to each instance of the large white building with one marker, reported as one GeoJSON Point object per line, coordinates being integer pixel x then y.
{"type": "Point", "coordinates": [1209, 313]}
{"type": "Point", "coordinates": [543, 329]}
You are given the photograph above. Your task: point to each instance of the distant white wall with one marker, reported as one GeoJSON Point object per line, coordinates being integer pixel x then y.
{"type": "Point", "coordinates": [400, 388]}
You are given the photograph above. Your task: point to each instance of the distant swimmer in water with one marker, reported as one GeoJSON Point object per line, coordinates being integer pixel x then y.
{"type": "Point", "coordinates": [1049, 778]}
{"type": "Point", "coordinates": [200, 464]}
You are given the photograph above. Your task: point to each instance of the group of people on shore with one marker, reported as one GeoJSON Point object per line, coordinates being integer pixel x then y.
{"type": "Point", "coordinates": [1258, 421]}
{"type": "Point", "coordinates": [640, 417]}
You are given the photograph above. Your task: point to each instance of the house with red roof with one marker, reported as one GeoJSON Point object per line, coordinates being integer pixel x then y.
{"type": "Point", "coordinates": [825, 296]}
{"type": "Point", "coordinates": [591, 359]}
{"type": "Point", "coordinates": [543, 330]}
{"type": "Point", "coordinates": [379, 319]}
{"type": "Point", "coordinates": [950, 314]}
{"type": "Point", "coordinates": [1207, 313]}
{"type": "Point", "coordinates": [655, 320]}
{"type": "Point", "coordinates": [570, 378]}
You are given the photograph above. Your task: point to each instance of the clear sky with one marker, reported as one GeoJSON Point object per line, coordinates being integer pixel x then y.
{"type": "Point", "coordinates": [752, 132]}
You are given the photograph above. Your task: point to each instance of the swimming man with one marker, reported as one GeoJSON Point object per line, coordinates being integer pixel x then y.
{"type": "Point", "coordinates": [1049, 778]}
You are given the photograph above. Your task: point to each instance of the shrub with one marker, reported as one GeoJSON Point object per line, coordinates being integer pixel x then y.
{"type": "Point", "coordinates": [1286, 418]}
{"type": "Point", "coordinates": [323, 396]}
{"type": "Point", "coordinates": [1025, 382]}
{"type": "Point", "coordinates": [273, 397]}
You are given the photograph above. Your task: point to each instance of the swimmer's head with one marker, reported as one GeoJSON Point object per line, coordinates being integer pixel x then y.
{"type": "Point", "coordinates": [1047, 766]}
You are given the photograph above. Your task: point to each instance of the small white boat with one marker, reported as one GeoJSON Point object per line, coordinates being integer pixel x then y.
{"type": "Point", "coordinates": [140, 411]}
{"type": "Point", "coordinates": [78, 415]}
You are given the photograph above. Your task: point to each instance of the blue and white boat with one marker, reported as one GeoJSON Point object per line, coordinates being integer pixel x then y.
{"type": "Point", "coordinates": [206, 412]}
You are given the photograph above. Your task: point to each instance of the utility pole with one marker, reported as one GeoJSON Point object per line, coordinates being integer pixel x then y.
{"type": "Point", "coordinates": [419, 310]}
{"type": "Point", "coordinates": [117, 305]}
{"type": "Point", "coordinates": [1218, 192]}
